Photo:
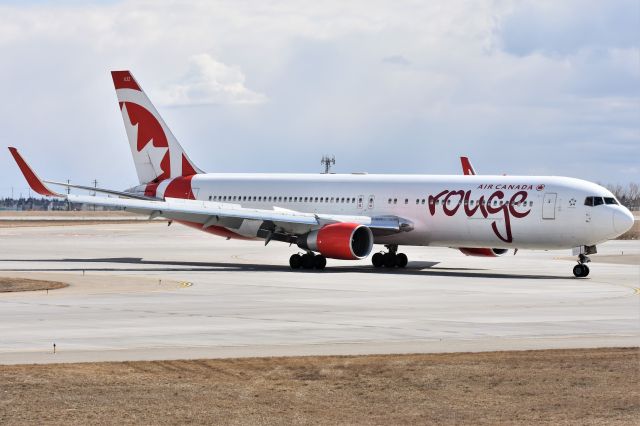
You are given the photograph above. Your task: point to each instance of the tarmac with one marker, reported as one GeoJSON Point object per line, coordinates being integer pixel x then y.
{"type": "Point", "coordinates": [146, 291]}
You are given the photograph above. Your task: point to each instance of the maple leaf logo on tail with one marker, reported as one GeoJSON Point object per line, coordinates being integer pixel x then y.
{"type": "Point", "coordinates": [157, 154]}
{"type": "Point", "coordinates": [150, 139]}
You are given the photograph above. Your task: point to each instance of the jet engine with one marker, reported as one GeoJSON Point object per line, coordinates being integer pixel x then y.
{"type": "Point", "coordinates": [348, 241]}
{"type": "Point", "coordinates": [483, 252]}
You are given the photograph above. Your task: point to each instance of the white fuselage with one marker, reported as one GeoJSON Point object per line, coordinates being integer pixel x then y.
{"type": "Point", "coordinates": [536, 212]}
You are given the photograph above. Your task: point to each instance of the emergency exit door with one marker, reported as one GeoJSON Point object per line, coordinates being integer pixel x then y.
{"type": "Point", "coordinates": [549, 205]}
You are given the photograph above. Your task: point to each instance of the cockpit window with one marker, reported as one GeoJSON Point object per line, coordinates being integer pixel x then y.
{"type": "Point", "coordinates": [610, 200]}
{"type": "Point", "coordinates": [598, 201]}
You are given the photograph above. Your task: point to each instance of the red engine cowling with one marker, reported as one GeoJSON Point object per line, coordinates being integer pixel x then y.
{"type": "Point", "coordinates": [483, 252]}
{"type": "Point", "coordinates": [348, 241]}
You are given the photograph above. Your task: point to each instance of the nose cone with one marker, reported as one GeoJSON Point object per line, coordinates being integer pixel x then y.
{"type": "Point", "coordinates": [622, 220]}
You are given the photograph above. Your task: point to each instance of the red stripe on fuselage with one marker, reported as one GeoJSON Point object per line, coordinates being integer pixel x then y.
{"type": "Point", "coordinates": [180, 187]}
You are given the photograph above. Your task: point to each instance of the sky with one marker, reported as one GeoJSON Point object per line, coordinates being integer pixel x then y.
{"type": "Point", "coordinates": [407, 86]}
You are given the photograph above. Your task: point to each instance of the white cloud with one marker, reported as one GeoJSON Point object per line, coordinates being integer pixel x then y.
{"type": "Point", "coordinates": [210, 82]}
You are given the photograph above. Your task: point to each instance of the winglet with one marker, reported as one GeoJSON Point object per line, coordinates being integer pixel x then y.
{"type": "Point", "coordinates": [467, 168]}
{"type": "Point", "coordinates": [32, 179]}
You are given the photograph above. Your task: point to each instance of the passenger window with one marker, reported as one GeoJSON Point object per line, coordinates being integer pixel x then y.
{"type": "Point", "coordinates": [406, 201]}
{"type": "Point", "coordinates": [395, 201]}
{"type": "Point", "coordinates": [422, 202]}
{"type": "Point", "coordinates": [353, 200]}
{"type": "Point", "coordinates": [389, 201]}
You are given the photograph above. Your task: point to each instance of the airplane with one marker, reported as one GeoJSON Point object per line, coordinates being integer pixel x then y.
{"type": "Point", "coordinates": [342, 216]}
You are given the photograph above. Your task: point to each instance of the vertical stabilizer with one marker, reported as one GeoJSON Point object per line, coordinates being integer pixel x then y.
{"type": "Point", "coordinates": [156, 152]}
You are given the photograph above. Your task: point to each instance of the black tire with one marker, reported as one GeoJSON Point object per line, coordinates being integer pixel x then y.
{"type": "Point", "coordinates": [401, 260]}
{"type": "Point", "coordinates": [377, 260]}
{"type": "Point", "coordinates": [295, 261]}
{"type": "Point", "coordinates": [390, 260]}
{"type": "Point", "coordinates": [585, 271]}
{"type": "Point", "coordinates": [308, 261]}
{"type": "Point", "coordinates": [319, 262]}
{"type": "Point", "coordinates": [578, 270]}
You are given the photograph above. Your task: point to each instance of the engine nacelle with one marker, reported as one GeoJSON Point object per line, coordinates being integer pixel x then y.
{"type": "Point", "coordinates": [348, 241]}
{"type": "Point", "coordinates": [483, 252]}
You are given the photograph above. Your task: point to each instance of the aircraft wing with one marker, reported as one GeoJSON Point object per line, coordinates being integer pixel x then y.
{"type": "Point", "coordinates": [209, 213]}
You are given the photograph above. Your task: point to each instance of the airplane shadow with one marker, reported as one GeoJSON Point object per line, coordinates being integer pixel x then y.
{"type": "Point", "coordinates": [418, 268]}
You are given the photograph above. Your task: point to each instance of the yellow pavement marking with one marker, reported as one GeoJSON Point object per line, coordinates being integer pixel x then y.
{"type": "Point", "coordinates": [185, 284]}
{"type": "Point", "coordinates": [636, 290]}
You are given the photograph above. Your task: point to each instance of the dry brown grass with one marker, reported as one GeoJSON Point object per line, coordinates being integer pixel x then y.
{"type": "Point", "coordinates": [8, 285]}
{"type": "Point", "coordinates": [589, 386]}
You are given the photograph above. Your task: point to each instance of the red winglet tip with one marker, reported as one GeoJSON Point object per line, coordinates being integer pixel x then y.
{"type": "Point", "coordinates": [32, 179]}
{"type": "Point", "coordinates": [467, 168]}
{"type": "Point", "coordinates": [124, 80]}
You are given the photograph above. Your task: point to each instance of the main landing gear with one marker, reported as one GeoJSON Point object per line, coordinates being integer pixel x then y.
{"type": "Point", "coordinates": [391, 259]}
{"type": "Point", "coordinates": [308, 260]}
{"type": "Point", "coordinates": [581, 270]}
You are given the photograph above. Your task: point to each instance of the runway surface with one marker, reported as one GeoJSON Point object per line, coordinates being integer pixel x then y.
{"type": "Point", "coordinates": [148, 291]}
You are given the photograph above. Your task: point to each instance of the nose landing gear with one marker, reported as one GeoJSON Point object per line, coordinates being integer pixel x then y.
{"type": "Point", "coordinates": [581, 270]}
{"type": "Point", "coordinates": [391, 259]}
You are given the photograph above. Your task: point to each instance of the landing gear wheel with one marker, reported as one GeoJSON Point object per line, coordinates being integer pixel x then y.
{"type": "Point", "coordinates": [308, 261]}
{"type": "Point", "coordinates": [319, 261]}
{"type": "Point", "coordinates": [581, 270]}
{"type": "Point", "coordinates": [390, 260]}
{"type": "Point", "coordinates": [577, 270]}
{"type": "Point", "coordinates": [377, 259]}
{"type": "Point", "coordinates": [295, 261]}
{"type": "Point", "coordinates": [401, 260]}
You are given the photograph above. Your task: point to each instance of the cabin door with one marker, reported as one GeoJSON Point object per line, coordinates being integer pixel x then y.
{"type": "Point", "coordinates": [549, 205]}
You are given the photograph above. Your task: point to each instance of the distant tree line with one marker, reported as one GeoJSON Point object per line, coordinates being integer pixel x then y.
{"type": "Point", "coordinates": [45, 204]}
{"type": "Point", "coordinates": [629, 196]}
